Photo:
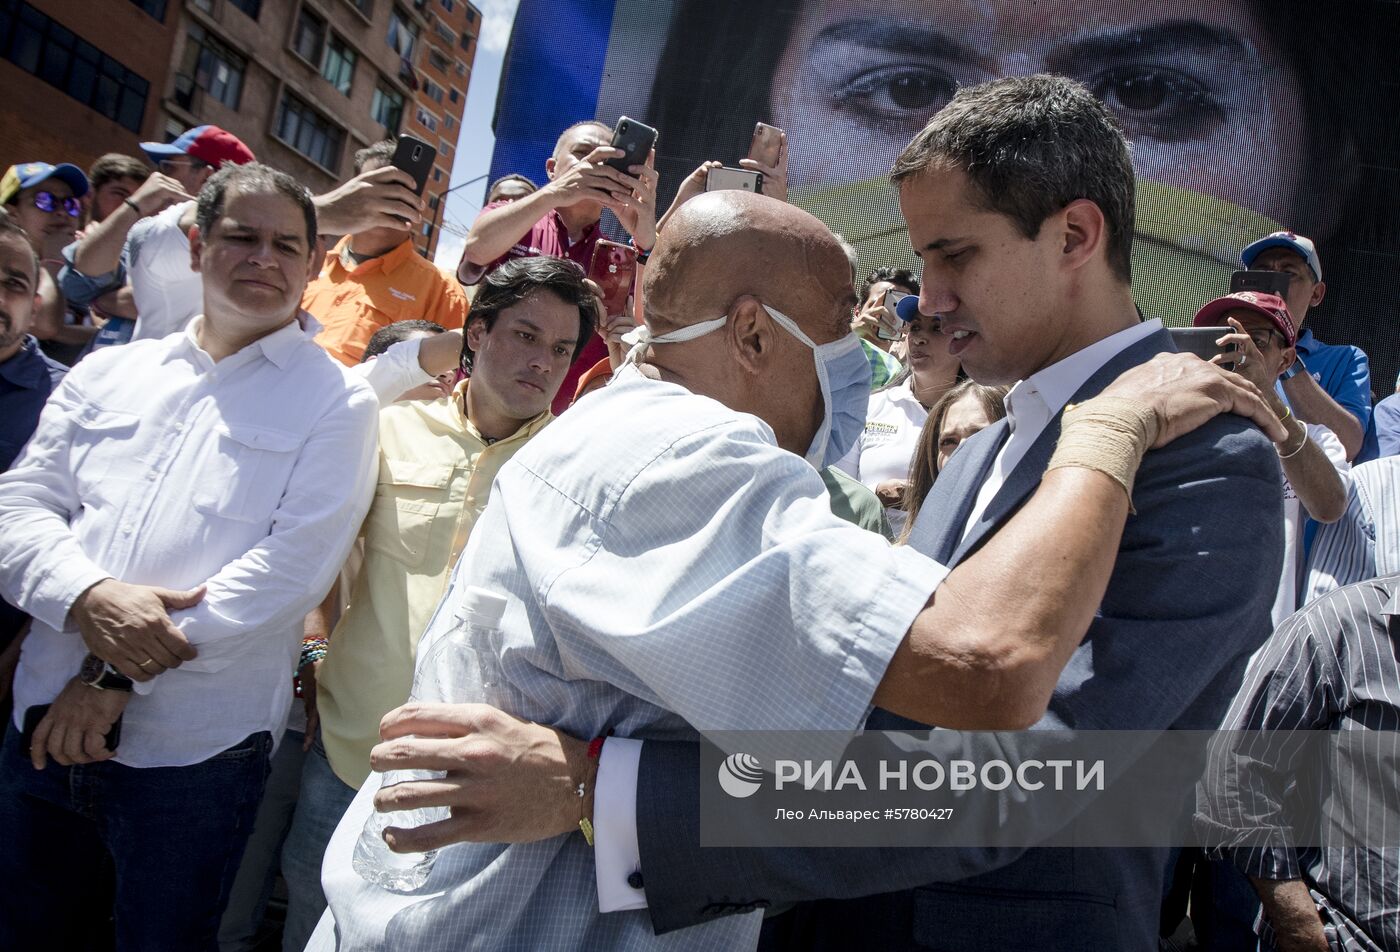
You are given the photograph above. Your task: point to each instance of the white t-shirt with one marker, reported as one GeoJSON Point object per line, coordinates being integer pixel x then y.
{"type": "Point", "coordinates": [886, 445]}
{"type": "Point", "coordinates": [1295, 521]}
{"type": "Point", "coordinates": [167, 293]}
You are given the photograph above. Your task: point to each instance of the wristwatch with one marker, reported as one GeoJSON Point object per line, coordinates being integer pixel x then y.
{"type": "Point", "coordinates": [96, 673]}
{"type": "Point", "coordinates": [1294, 370]}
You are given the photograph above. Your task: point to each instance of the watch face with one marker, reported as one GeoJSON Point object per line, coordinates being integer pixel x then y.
{"type": "Point", "coordinates": [91, 670]}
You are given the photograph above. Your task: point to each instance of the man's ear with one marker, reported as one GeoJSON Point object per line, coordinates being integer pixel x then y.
{"type": "Point", "coordinates": [1319, 292]}
{"type": "Point", "coordinates": [1085, 231]}
{"type": "Point", "coordinates": [1287, 358]}
{"type": "Point", "coordinates": [750, 334]}
{"type": "Point", "coordinates": [473, 332]}
{"type": "Point", "coordinates": [549, 167]}
{"type": "Point", "coordinates": [196, 246]}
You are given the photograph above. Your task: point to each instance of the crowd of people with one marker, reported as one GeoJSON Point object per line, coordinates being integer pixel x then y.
{"type": "Point", "coordinates": [257, 450]}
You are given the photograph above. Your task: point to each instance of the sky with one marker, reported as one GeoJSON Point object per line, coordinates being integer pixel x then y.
{"type": "Point", "coordinates": [475, 143]}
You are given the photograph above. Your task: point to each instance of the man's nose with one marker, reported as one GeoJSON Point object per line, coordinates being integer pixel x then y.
{"type": "Point", "coordinates": [934, 300]}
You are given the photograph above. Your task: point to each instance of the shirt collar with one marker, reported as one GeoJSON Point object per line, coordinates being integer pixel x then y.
{"type": "Point", "coordinates": [588, 232]}
{"type": "Point", "coordinates": [27, 367]}
{"type": "Point", "coordinates": [527, 430]}
{"type": "Point", "coordinates": [1392, 602]}
{"type": "Point", "coordinates": [277, 347]}
{"type": "Point", "coordinates": [1306, 343]}
{"type": "Point", "coordinates": [1048, 390]}
{"type": "Point", "coordinates": [387, 262]}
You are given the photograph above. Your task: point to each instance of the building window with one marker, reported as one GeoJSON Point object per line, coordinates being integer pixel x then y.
{"type": "Point", "coordinates": [432, 90]}
{"type": "Point", "coordinates": [461, 69]}
{"type": "Point", "coordinates": [467, 41]}
{"type": "Point", "coordinates": [154, 8]}
{"type": "Point", "coordinates": [309, 37]}
{"type": "Point", "coordinates": [212, 66]}
{"type": "Point", "coordinates": [364, 6]}
{"type": "Point", "coordinates": [441, 30]}
{"type": "Point", "coordinates": [448, 121]}
{"type": "Point", "coordinates": [453, 95]}
{"type": "Point", "coordinates": [387, 108]}
{"type": "Point", "coordinates": [310, 133]}
{"type": "Point", "coordinates": [250, 7]}
{"type": "Point", "coordinates": [471, 14]}
{"type": "Point", "coordinates": [403, 33]}
{"type": "Point", "coordinates": [446, 150]}
{"type": "Point", "coordinates": [438, 61]}
{"type": "Point", "coordinates": [339, 65]}
{"type": "Point", "coordinates": [426, 119]}
{"type": "Point", "coordinates": [437, 174]}
{"type": "Point", "coordinates": [44, 48]}
{"type": "Point", "coordinates": [448, 5]}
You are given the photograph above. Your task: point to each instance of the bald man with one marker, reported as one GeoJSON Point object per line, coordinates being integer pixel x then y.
{"type": "Point", "coordinates": [671, 563]}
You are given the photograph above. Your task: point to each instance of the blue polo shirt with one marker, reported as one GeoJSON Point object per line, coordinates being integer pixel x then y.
{"type": "Point", "coordinates": [26, 380]}
{"type": "Point", "coordinates": [1342, 370]}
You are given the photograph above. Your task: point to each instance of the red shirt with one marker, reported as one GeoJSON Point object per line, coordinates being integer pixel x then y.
{"type": "Point", "coordinates": [550, 237]}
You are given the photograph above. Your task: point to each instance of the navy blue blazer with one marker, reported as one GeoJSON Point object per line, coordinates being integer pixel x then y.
{"type": "Point", "coordinates": [1187, 603]}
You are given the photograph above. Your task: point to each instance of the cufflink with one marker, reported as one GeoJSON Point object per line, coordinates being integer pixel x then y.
{"type": "Point", "coordinates": [634, 879]}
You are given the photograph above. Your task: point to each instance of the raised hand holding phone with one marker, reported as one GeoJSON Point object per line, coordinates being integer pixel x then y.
{"type": "Point", "coordinates": [768, 155]}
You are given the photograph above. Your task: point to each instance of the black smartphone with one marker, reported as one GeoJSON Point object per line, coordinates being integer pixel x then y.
{"type": "Point", "coordinates": [636, 140]}
{"type": "Point", "coordinates": [415, 157]}
{"type": "Point", "coordinates": [35, 714]}
{"type": "Point", "coordinates": [1262, 282]}
{"type": "Point", "coordinates": [1201, 341]}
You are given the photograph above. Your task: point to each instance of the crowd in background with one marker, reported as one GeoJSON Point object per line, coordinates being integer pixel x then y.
{"type": "Point", "coordinates": [247, 434]}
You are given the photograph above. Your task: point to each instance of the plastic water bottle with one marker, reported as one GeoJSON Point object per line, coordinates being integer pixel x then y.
{"type": "Point", "coordinates": [459, 668]}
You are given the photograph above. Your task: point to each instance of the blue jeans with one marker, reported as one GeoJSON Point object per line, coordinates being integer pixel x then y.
{"type": "Point", "coordinates": [154, 847]}
{"type": "Point", "coordinates": [323, 801]}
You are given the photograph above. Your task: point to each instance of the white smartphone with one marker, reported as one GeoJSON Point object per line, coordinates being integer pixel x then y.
{"type": "Point", "coordinates": [741, 179]}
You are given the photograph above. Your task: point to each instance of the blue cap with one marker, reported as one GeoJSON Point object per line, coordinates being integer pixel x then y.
{"type": "Point", "coordinates": [907, 308]}
{"type": "Point", "coordinates": [28, 174]}
{"type": "Point", "coordinates": [210, 144]}
{"type": "Point", "coordinates": [1300, 246]}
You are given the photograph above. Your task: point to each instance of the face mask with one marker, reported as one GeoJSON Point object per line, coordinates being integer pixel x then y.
{"type": "Point", "coordinates": [842, 371]}
{"type": "Point", "coordinates": [1185, 247]}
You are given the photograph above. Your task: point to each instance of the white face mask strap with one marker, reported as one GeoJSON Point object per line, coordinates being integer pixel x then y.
{"type": "Point", "coordinates": [790, 326]}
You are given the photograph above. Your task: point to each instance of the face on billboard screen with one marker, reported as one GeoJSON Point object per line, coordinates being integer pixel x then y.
{"type": "Point", "coordinates": [1245, 116]}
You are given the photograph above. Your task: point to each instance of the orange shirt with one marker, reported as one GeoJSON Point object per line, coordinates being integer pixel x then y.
{"type": "Point", "coordinates": [353, 302]}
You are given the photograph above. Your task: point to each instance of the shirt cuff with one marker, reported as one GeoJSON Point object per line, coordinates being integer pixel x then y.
{"type": "Point", "coordinates": [617, 857]}
{"type": "Point", "coordinates": [54, 597]}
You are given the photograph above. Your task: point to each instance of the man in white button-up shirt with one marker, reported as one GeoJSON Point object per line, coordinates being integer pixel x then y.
{"type": "Point", "coordinates": [181, 507]}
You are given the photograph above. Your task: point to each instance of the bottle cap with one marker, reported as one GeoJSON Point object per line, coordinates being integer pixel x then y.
{"type": "Point", "coordinates": [481, 606]}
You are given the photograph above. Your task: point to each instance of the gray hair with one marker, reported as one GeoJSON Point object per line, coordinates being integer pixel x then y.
{"type": "Point", "coordinates": [381, 152]}
{"type": "Point", "coordinates": [1031, 145]}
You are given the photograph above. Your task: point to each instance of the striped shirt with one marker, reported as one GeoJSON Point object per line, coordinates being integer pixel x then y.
{"type": "Point", "coordinates": [1334, 666]}
{"type": "Point", "coordinates": [1365, 542]}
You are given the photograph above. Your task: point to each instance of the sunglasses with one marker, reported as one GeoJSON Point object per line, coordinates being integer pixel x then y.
{"type": "Point", "coordinates": [49, 202]}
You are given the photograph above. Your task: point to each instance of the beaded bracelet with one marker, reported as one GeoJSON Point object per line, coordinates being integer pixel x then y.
{"type": "Point", "coordinates": [312, 650]}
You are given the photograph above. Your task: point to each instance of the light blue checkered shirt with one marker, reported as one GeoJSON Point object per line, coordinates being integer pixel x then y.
{"type": "Point", "coordinates": [666, 565]}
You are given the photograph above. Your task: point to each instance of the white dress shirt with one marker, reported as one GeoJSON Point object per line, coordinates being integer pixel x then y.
{"type": "Point", "coordinates": [1030, 406]}
{"type": "Point", "coordinates": [155, 465]}
{"type": "Point", "coordinates": [679, 573]}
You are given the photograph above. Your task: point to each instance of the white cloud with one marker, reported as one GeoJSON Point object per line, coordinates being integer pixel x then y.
{"type": "Point", "coordinates": [497, 16]}
{"type": "Point", "coordinates": [448, 251]}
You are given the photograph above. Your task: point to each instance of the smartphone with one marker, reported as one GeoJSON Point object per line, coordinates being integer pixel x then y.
{"type": "Point", "coordinates": [891, 326]}
{"type": "Point", "coordinates": [415, 157]}
{"type": "Point", "coordinates": [613, 268]}
{"type": "Point", "coordinates": [636, 140]}
{"type": "Point", "coordinates": [35, 714]}
{"type": "Point", "coordinates": [727, 178]}
{"type": "Point", "coordinates": [1264, 282]}
{"type": "Point", "coordinates": [1201, 341]}
{"type": "Point", "coordinates": [767, 145]}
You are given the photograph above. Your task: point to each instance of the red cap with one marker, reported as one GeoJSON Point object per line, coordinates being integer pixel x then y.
{"type": "Point", "coordinates": [1267, 305]}
{"type": "Point", "coordinates": [209, 144]}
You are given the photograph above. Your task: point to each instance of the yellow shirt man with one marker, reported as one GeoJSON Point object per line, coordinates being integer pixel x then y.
{"type": "Point", "coordinates": [352, 299]}
{"type": "Point", "coordinates": [435, 474]}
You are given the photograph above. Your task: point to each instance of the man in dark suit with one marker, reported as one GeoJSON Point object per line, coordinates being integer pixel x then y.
{"type": "Point", "coordinates": [1019, 200]}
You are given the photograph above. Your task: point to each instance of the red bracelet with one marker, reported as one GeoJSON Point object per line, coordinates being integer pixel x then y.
{"type": "Point", "coordinates": [595, 748]}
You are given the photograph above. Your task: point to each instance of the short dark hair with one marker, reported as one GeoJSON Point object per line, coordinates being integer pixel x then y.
{"type": "Point", "coordinates": [381, 151]}
{"type": "Point", "coordinates": [8, 226]}
{"type": "Point", "coordinates": [517, 279]}
{"type": "Point", "coordinates": [899, 277]}
{"type": "Point", "coordinates": [252, 176]}
{"type": "Point", "coordinates": [389, 335]}
{"type": "Point", "coordinates": [113, 166]}
{"type": "Point", "coordinates": [579, 125]}
{"type": "Point", "coordinates": [1031, 145]}
{"type": "Point", "coordinates": [512, 177]}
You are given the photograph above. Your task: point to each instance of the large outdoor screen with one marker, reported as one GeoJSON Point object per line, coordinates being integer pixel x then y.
{"type": "Point", "coordinates": [1245, 116]}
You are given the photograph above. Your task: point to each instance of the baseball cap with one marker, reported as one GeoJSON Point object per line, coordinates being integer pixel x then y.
{"type": "Point", "coordinates": [1267, 305]}
{"type": "Point", "coordinates": [28, 174]}
{"type": "Point", "coordinates": [1302, 247]}
{"type": "Point", "coordinates": [209, 144]}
